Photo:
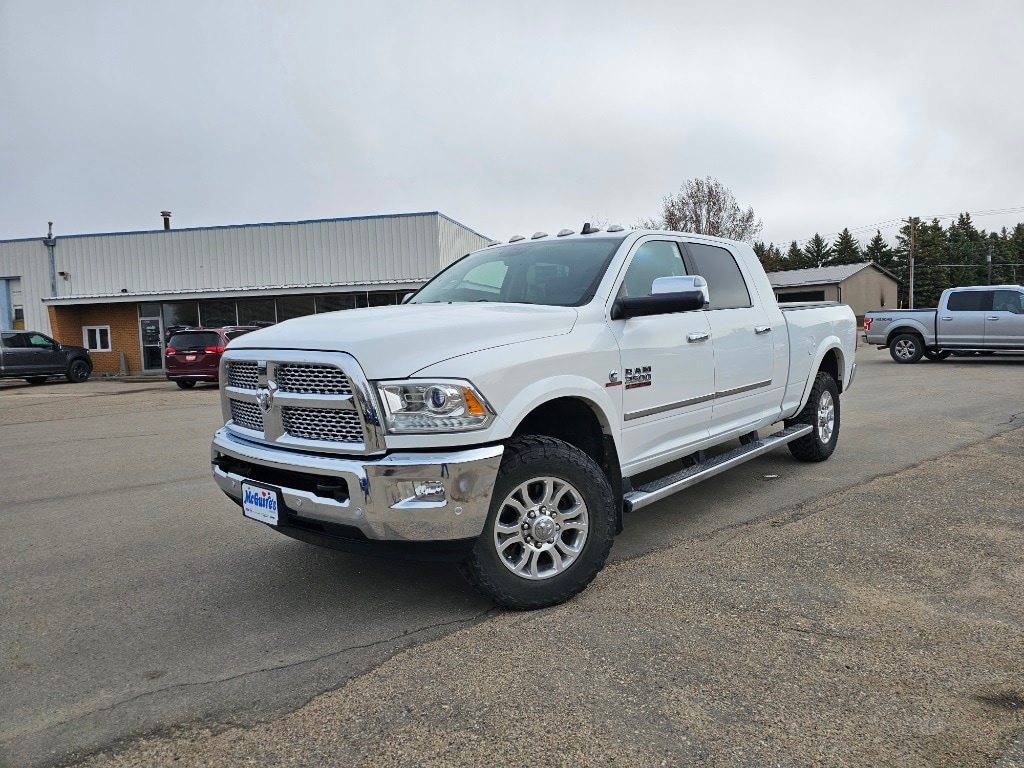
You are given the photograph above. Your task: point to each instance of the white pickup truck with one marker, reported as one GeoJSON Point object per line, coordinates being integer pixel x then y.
{"type": "Point", "coordinates": [508, 414]}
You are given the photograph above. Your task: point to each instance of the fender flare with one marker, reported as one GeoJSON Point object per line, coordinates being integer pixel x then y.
{"type": "Point", "coordinates": [557, 388]}
{"type": "Point", "coordinates": [828, 344]}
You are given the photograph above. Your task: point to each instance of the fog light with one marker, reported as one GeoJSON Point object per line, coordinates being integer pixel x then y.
{"type": "Point", "coordinates": [421, 490]}
{"type": "Point", "coordinates": [429, 490]}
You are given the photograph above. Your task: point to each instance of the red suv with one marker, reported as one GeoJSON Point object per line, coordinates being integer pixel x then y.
{"type": "Point", "coordinates": [194, 355]}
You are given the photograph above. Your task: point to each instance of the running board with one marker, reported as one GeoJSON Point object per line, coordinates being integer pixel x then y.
{"type": "Point", "coordinates": [658, 489]}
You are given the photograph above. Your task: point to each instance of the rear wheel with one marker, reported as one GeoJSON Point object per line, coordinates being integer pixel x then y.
{"type": "Point", "coordinates": [78, 371]}
{"type": "Point", "coordinates": [37, 379]}
{"type": "Point", "coordinates": [937, 354]}
{"type": "Point", "coordinates": [906, 348]}
{"type": "Point", "coordinates": [549, 529]}
{"type": "Point", "coordinates": [822, 413]}
{"type": "Point", "coordinates": [185, 383]}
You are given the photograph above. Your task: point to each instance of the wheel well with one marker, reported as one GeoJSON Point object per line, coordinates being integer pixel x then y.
{"type": "Point", "coordinates": [570, 420]}
{"type": "Point", "coordinates": [893, 334]}
{"type": "Point", "coordinates": [576, 422]}
{"type": "Point", "coordinates": [830, 365]}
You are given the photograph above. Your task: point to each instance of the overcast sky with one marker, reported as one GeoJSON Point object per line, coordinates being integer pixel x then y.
{"type": "Point", "coordinates": [508, 117]}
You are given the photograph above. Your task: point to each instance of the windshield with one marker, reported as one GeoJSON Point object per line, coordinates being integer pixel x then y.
{"type": "Point", "coordinates": [562, 273]}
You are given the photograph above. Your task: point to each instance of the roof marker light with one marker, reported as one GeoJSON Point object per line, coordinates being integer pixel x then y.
{"type": "Point", "coordinates": [516, 238]}
{"type": "Point", "coordinates": [615, 228]}
{"type": "Point", "coordinates": [564, 232]}
{"type": "Point", "coordinates": [538, 235]}
{"type": "Point", "coordinates": [494, 242]}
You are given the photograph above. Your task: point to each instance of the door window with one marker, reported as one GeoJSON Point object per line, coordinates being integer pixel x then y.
{"type": "Point", "coordinates": [653, 259]}
{"type": "Point", "coordinates": [38, 341]}
{"type": "Point", "coordinates": [1009, 301]}
{"type": "Point", "coordinates": [726, 285]}
{"type": "Point", "coordinates": [14, 340]}
{"type": "Point", "coordinates": [969, 301]}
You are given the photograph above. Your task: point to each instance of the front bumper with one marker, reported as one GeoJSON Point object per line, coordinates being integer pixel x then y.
{"type": "Point", "coordinates": [368, 496]}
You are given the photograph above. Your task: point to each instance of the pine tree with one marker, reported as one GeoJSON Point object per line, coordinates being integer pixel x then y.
{"type": "Point", "coordinates": [817, 252]}
{"type": "Point", "coordinates": [968, 247]}
{"type": "Point", "coordinates": [880, 252]}
{"type": "Point", "coordinates": [769, 255]}
{"type": "Point", "coordinates": [846, 249]}
{"type": "Point", "coordinates": [794, 257]}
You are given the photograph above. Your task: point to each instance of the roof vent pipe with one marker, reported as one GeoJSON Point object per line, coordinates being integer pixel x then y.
{"type": "Point", "coordinates": [167, 219]}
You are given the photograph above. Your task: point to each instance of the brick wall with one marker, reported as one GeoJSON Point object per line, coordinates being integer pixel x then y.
{"type": "Point", "coordinates": [123, 319]}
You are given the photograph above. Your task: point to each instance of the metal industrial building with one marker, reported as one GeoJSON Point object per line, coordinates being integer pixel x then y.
{"type": "Point", "coordinates": [120, 293]}
{"type": "Point", "coordinates": [864, 286]}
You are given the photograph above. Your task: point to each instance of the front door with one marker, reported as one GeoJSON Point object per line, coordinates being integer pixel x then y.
{"type": "Point", "coordinates": [1004, 325]}
{"type": "Point", "coordinates": [151, 331]}
{"type": "Point", "coordinates": [668, 365]}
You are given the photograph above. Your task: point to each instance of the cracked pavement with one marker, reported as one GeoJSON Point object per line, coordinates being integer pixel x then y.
{"type": "Point", "coordinates": [760, 617]}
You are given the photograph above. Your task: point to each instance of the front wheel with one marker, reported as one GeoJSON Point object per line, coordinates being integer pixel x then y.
{"type": "Point", "coordinates": [937, 354]}
{"type": "Point", "coordinates": [78, 371]}
{"type": "Point", "coordinates": [822, 413]}
{"type": "Point", "coordinates": [906, 348]}
{"type": "Point", "coordinates": [549, 529]}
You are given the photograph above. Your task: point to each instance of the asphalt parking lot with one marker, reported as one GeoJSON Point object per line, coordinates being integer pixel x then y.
{"type": "Point", "coordinates": [867, 610]}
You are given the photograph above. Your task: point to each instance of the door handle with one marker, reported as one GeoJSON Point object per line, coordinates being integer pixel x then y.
{"type": "Point", "coordinates": [946, 318]}
{"type": "Point", "coordinates": [992, 317]}
{"type": "Point", "coordinates": [760, 330]}
{"type": "Point", "coordinates": [693, 338]}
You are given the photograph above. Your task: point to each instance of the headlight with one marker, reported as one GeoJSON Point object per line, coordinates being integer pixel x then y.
{"type": "Point", "coordinates": [433, 406]}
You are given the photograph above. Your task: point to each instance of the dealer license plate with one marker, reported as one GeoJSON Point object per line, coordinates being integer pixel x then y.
{"type": "Point", "coordinates": [260, 503]}
{"type": "Point", "coordinates": [190, 358]}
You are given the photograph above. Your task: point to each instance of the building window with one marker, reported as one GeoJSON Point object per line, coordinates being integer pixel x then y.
{"type": "Point", "coordinates": [96, 338]}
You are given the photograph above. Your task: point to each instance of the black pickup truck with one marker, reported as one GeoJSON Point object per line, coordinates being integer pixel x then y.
{"type": "Point", "coordinates": [34, 357]}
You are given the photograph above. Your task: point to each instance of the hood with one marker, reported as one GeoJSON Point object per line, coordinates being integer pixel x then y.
{"type": "Point", "coordinates": [395, 342]}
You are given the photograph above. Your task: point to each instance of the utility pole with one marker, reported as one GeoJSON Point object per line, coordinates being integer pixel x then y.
{"type": "Point", "coordinates": [988, 258]}
{"type": "Point", "coordinates": [912, 223]}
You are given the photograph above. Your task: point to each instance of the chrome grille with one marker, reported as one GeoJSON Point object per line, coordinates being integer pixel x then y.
{"type": "Point", "coordinates": [322, 424]}
{"type": "Point", "coordinates": [246, 415]}
{"type": "Point", "coordinates": [243, 375]}
{"type": "Point", "coordinates": [312, 379]}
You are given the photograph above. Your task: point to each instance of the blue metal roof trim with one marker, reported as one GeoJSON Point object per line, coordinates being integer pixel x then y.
{"type": "Point", "coordinates": [460, 224]}
{"type": "Point", "coordinates": [247, 226]}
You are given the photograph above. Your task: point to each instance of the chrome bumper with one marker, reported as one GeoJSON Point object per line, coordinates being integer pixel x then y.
{"type": "Point", "coordinates": [379, 502]}
{"type": "Point", "coordinates": [853, 375]}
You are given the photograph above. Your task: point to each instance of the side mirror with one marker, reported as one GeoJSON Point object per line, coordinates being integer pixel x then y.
{"type": "Point", "coordinates": [682, 284]}
{"type": "Point", "coordinates": [405, 299]}
{"type": "Point", "coordinates": [658, 304]}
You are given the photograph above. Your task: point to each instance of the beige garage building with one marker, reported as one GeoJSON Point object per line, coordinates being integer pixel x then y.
{"type": "Point", "coordinates": [863, 286]}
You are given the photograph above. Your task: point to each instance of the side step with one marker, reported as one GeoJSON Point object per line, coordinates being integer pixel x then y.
{"type": "Point", "coordinates": [657, 490]}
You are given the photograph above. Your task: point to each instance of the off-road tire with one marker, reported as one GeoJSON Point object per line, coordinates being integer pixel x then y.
{"type": "Point", "coordinates": [822, 413]}
{"type": "Point", "coordinates": [906, 348]}
{"type": "Point", "coordinates": [78, 371]}
{"type": "Point", "coordinates": [533, 458]}
{"type": "Point", "coordinates": [185, 383]}
{"type": "Point", "coordinates": [937, 354]}
{"type": "Point", "coordinates": [36, 379]}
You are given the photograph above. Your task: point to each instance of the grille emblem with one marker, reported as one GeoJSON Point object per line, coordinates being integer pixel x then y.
{"type": "Point", "coordinates": [265, 397]}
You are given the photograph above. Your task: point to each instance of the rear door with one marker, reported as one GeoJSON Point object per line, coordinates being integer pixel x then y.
{"type": "Point", "coordinates": [962, 320]}
{"type": "Point", "coordinates": [743, 341]}
{"type": "Point", "coordinates": [16, 353]}
{"type": "Point", "coordinates": [1004, 324]}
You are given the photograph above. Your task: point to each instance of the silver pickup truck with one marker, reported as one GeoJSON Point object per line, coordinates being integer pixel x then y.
{"type": "Point", "coordinates": [979, 318]}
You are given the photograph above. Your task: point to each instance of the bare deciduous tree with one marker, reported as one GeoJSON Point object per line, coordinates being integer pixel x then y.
{"type": "Point", "coordinates": [706, 207]}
